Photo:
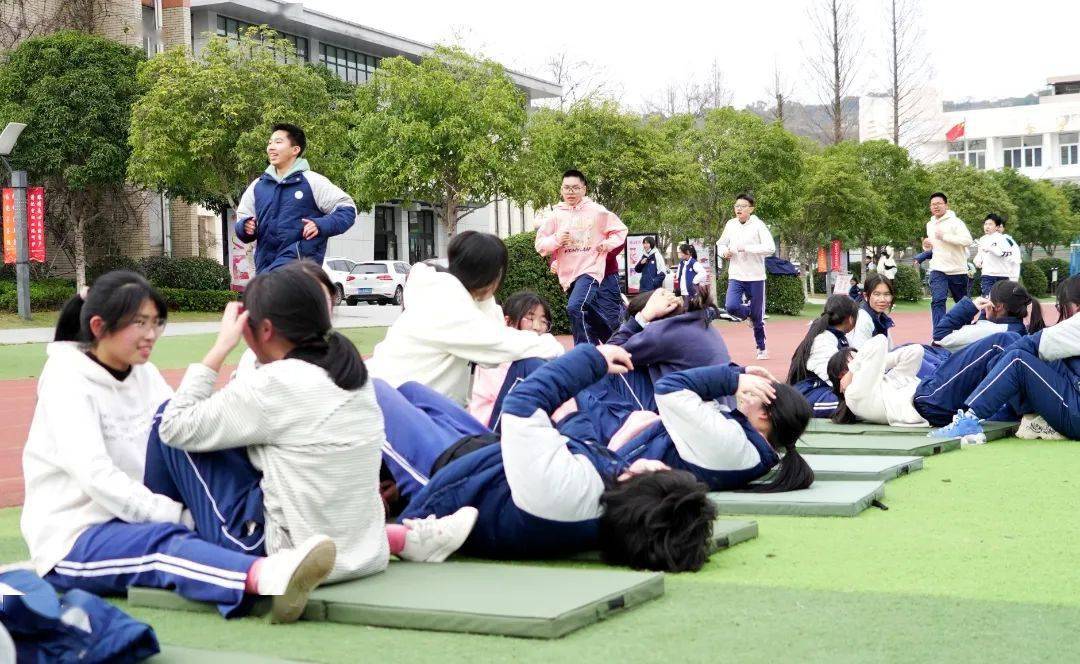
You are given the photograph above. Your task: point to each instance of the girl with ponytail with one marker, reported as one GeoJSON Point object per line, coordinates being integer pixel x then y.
{"type": "Point", "coordinates": [1005, 310]}
{"type": "Point", "coordinates": [808, 372]}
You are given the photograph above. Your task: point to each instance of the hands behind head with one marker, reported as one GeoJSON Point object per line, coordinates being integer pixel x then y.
{"type": "Point", "coordinates": [618, 360]}
{"type": "Point", "coordinates": [660, 304]}
{"type": "Point", "coordinates": [761, 371]}
{"type": "Point", "coordinates": [643, 467]}
{"type": "Point", "coordinates": [756, 387]}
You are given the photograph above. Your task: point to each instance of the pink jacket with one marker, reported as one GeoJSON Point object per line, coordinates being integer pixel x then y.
{"type": "Point", "coordinates": [594, 231]}
{"type": "Point", "coordinates": [488, 382]}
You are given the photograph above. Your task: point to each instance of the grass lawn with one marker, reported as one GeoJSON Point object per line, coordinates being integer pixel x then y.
{"type": "Point", "coordinates": [975, 560]}
{"type": "Point", "coordinates": [26, 360]}
{"type": "Point", "coordinates": [10, 321]}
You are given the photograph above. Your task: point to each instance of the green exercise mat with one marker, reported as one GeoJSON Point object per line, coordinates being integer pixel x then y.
{"type": "Point", "coordinates": [874, 444]}
{"type": "Point", "coordinates": [476, 597]}
{"type": "Point", "coordinates": [993, 430]}
{"type": "Point", "coordinates": [726, 533]}
{"type": "Point", "coordinates": [178, 655]}
{"type": "Point", "coordinates": [821, 499]}
{"type": "Point", "coordinates": [840, 467]}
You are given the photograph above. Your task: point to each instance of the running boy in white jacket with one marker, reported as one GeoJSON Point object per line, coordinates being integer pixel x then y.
{"type": "Point", "coordinates": [949, 238]}
{"type": "Point", "coordinates": [745, 243]}
{"type": "Point", "coordinates": [998, 256]}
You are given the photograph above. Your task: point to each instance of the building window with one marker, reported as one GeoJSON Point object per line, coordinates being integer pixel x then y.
{"type": "Point", "coordinates": [1022, 152]}
{"type": "Point", "coordinates": [350, 66]}
{"type": "Point", "coordinates": [1070, 148]}
{"type": "Point", "coordinates": [231, 29]}
{"type": "Point", "coordinates": [421, 235]}
{"type": "Point", "coordinates": [385, 234]}
{"type": "Point", "coordinates": [972, 153]}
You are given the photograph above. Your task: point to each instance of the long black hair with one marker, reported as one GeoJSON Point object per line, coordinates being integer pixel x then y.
{"type": "Point", "coordinates": [1017, 302]}
{"type": "Point", "coordinates": [478, 260]}
{"type": "Point", "coordinates": [838, 366]}
{"type": "Point", "coordinates": [789, 414]}
{"type": "Point", "coordinates": [701, 301]}
{"type": "Point", "coordinates": [296, 305]}
{"type": "Point", "coordinates": [315, 271]}
{"type": "Point", "coordinates": [838, 308]}
{"type": "Point", "coordinates": [690, 249]}
{"type": "Point", "coordinates": [116, 297]}
{"type": "Point", "coordinates": [659, 521]}
{"type": "Point", "coordinates": [1068, 292]}
{"type": "Point", "coordinates": [521, 303]}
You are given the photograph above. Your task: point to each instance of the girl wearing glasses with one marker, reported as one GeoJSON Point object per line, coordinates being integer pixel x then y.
{"type": "Point", "coordinates": [873, 318]}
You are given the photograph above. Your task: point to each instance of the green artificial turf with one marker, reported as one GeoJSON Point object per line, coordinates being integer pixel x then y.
{"type": "Point", "coordinates": [975, 560]}
{"type": "Point", "coordinates": [26, 360]}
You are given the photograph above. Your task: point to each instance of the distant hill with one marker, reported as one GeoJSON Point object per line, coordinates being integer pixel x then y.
{"type": "Point", "coordinates": [811, 120]}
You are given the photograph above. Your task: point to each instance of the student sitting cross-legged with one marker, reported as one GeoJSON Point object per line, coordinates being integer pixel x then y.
{"type": "Point", "coordinates": [88, 519]}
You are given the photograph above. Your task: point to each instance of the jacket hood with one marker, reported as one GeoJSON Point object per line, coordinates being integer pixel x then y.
{"type": "Point", "coordinates": [70, 356]}
{"type": "Point", "coordinates": [949, 214]}
{"type": "Point", "coordinates": [585, 202]}
{"type": "Point", "coordinates": [299, 166]}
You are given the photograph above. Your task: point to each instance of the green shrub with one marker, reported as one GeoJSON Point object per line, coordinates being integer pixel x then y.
{"type": "Point", "coordinates": [783, 293]}
{"type": "Point", "coordinates": [183, 299]}
{"type": "Point", "coordinates": [908, 284]}
{"type": "Point", "coordinates": [529, 271]}
{"type": "Point", "coordinates": [46, 294]}
{"type": "Point", "coordinates": [1031, 275]}
{"type": "Point", "coordinates": [974, 285]}
{"type": "Point", "coordinates": [1047, 265]}
{"type": "Point", "coordinates": [108, 264]}
{"type": "Point", "coordinates": [187, 273]}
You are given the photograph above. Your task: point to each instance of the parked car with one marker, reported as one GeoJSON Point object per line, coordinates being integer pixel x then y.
{"type": "Point", "coordinates": [376, 281]}
{"type": "Point", "coordinates": [338, 269]}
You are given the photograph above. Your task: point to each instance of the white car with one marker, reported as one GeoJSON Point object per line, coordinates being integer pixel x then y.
{"type": "Point", "coordinates": [338, 269]}
{"type": "Point", "coordinates": [376, 281]}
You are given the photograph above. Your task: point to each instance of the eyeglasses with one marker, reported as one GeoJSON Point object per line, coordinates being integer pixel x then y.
{"type": "Point", "coordinates": [544, 322]}
{"type": "Point", "coordinates": [741, 206]}
{"type": "Point", "coordinates": [144, 324]}
{"type": "Point", "coordinates": [577, 189]}
{"type": "Point", "coordinates": [881, 296]}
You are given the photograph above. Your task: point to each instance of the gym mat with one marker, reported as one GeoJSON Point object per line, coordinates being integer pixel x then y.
{"type": "Point", "coordinates": [474, 597]}
{"type": "Point", "coordinates": [874, 444]}
{"type": "Point", "coordinates": [178, 655]}
{"type": "Point", "coordinates": [993, 430]}
{"type": "Point", "coordinates": [726, 533]}
{"type": "Point", "coordinates": [840, 467]}
{"type": "Point", "coordinates": [821, 499]}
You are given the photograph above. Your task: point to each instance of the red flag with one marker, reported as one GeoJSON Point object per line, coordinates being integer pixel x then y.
{"type": "Point", "coordinates": [955, 132]}
{"type": "Point", "coordinates": [35, 217]}
{"type": "Point", "coordinates": [9, 225]}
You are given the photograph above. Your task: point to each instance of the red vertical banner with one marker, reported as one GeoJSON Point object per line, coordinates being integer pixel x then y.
{"type": "Point", "coordinates": [9, 225]}
{"type": "Point", "coordinates": [35, 221]}
{"type": "Point", "coordinates": [835, 256]}
{"type": "Point", "coordinates": [821, 265]}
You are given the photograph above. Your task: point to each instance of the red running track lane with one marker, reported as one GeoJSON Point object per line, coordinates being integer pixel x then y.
{"type": "Point", "coordinates": [17, 397]}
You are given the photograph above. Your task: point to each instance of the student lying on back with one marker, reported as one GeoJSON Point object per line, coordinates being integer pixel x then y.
{"type": "Point", "coordinates": [1006, 308]}
{"type": "Point", "coordinates": [808, 372]}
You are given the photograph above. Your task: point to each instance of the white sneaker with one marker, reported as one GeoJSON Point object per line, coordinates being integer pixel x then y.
{"type": "Point", "coordinates": [289, 576]}
{"type": "Point", "coordinates": [1035, 427]}
{"type": "Point", "coordinates": [763, 354]}
{"type": "Point", "coordinates": [432, 540]}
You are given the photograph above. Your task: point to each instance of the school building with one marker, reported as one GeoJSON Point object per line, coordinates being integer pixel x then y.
{"type": "Point", "coordinates": [352, 51]}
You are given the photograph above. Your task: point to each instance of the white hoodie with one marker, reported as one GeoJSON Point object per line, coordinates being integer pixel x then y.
{"type": "Point", "coordinates": [950, 250]}
{"type": "Point", "coordinates": [998, 256]}
{"type": "Point", "coordinates": [443, 329]}
{"type": "Point", "coordinates": [83, 462]}
{"type": "Point", "coordinates": [756, 242]}
{"type": "Point", "coordinates": [883, 383]}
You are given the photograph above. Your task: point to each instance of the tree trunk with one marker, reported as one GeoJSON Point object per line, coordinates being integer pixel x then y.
{"type": "Point", "coordinates": [838, 109]}
{"type": "Point", "coordinates": [895, 75]}
{"type": "Point", "coordinates": [79, 244]}
{"type": "Point", "coordinates": [450, 216]}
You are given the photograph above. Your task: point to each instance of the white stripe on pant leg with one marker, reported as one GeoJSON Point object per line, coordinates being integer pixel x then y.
{"type": "Point", "coordinates": [152, 567]}
{"type": "Point", "coordinates": [975, 397]}
{"type": "Point", "coordinates": [401, 461]}
{"type": "Point", "coordinates": [962, 370]}
{"type": "Point", "coordinates": [499, 418]}
{"type": "Point", "coordinates": [584, 325]}
{"type": "Point", "coordinates": [217, 512]}
{"type": "Point", "coordinates": [157, 556]}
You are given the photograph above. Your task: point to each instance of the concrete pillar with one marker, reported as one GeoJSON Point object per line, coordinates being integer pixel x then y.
{"type": "Point", "coordinates": [176, 23]}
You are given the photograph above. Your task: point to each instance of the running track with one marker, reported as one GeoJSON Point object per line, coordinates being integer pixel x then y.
{"type": "Point", "coordinates": [17, 397]}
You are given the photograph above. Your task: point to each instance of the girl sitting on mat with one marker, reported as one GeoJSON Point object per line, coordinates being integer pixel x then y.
{"type": "Point", "coordinates": [883, 387]}
{"type": "Point", "coordinates": [524, 310]}
{"type": "Point", "coordinates": [451, 320]}
{"type": "Point", "coordinates": [1005, 310]}
{"type": "Point", "coordinates": [808, 372]}
{"type": "Point", "coordinates": [88, 519]}
{"type": "Point", "coordinates": [878, 299]}
{"type": "Point", "coordinates": [538, 493]}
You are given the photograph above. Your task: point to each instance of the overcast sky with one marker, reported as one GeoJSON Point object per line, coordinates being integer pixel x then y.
{"type": "Point", "coordinates": [976, 49]}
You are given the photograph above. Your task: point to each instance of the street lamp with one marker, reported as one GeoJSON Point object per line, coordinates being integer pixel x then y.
{"type": "Point", "coordinates": [8, 139]}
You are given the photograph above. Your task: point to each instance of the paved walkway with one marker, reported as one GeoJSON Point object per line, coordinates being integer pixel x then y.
{"type": "Point", "coordinates": [362, 315]}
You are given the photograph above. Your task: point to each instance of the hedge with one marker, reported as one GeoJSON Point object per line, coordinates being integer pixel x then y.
{"type": "Point", "coordinates": [185, 299]}
{"type": "Point", "coordinates": [529, 271]}
{"type": "Point", "coordinates": [908, 284]}
{"type": "Point", "coordinates": [187, 273]}
{"type": "Point", "coordinates": [783, 293]}
{"type": "Point", "coordinates": [107, 264]}
{"type": "Point", "coordinates": [1047, 266]}
{"type": "Point", "coordinates": [46, 294]}
{"type": "Point", "coordinates": [1033, 279]}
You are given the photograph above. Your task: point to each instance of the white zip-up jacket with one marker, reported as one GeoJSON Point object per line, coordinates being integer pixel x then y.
{"type": "Point", "coordinates": [84, 460]}
{"type": "Point", "coordinates": [998, 256]}
{"type": "Point", "coordinates": [883, 383]}
{"type": "Point", "coordinates": [443, 329]}
{"type": "Point", "coordinates": [318, 446]}
{"type": "Point", "coordinates": [950, 251]}
{"type": "Point", "coordinates": [756, 243]}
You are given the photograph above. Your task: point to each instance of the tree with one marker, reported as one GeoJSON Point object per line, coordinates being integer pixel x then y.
{"type": "Point", "coordinates": [899, 181]}
{"type": "Point", "coordinates": [834, 66]}
{"type": "Point", "coordinates": [908, 66]}
{"type": "Point", "coordinates": [694, 96]}
{"type": "Point", "coordinates": [839, 202]}
{"type": "Point", "coordinates": [199, 132]}
{"type": "Point", "coordinates": [447, 131]}
{"type": "Point", "coordinates": [972, 193]}
{"type": "Point", "coordinates": [578, 80]}
{"type": "Point", "coordinates": [780, 93]}
{"type": "Point", "coordinates": [75, 93]}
